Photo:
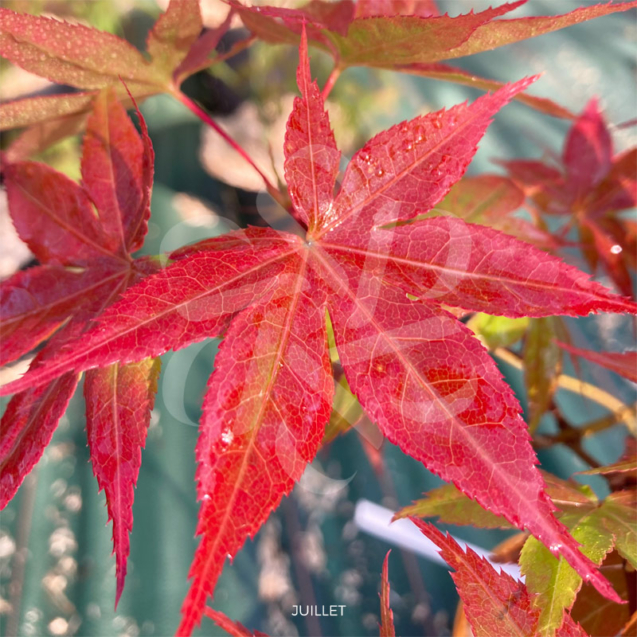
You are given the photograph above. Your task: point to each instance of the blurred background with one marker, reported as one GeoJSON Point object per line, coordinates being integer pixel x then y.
{"type": "Point", "coordinates": [57, 575]}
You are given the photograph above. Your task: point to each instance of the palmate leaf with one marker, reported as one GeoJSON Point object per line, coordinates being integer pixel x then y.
{"type": "Point", "coordinates": [89, 59]}
{"type": "Point", "coordinates": [494, 603]}
{"type": "Point", "coordinates": [417, 371]}
{"type": "Point", "coordinates": [409, 37]}
{"type": "Point", "coordinates": [83, 236]}
{"type": "Point", "coordinates": [387, 41]}
{"type": "Point", "coordinates": [592, 186]}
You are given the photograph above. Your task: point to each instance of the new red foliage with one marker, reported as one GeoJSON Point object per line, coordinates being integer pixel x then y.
{"type": "Point", "coordinates": [57, 219]}
{"type": "Point", "coordinates": [371, 261]}
{"type": "Point", "coordinates": [382, 277]}
{"type": "Point", "coordinates": [590, 189]}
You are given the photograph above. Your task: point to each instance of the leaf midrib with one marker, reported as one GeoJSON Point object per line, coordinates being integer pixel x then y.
{"type": "Point", "coordinates": [65, 299]}
{"type": "Point", "coordinates": [445, 269]}
{"type": "Point", "coordinates": [399, 176]}
{"type": "Point", "coordinates": [256, 427]}
{"type": "Point", "coordinates": [452, 418]}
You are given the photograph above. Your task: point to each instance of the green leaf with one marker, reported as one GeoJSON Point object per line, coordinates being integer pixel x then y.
{"type": "Point", "coordinates": [618, 514]}
{"type": "Point", "coordinates": [452, 506]}
{"type": "Point", "coordinates": [498, 331]}
{"type": "Point", "coordinates": [346, 412]}
{"type": "Point", "coordinates": [555, 581]}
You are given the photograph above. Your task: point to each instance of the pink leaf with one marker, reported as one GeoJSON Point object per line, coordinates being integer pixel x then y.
{"type": "Point", "coordinates": [428, 383]}
{"type": "Point", "coordinates": [494, 603]}
{"type": "Point", "coordinates": [117, 171]}
{"type": "Point", "coordinates": [197, 57]}
{"type": "Point", "coordinates": [588, 153]}
{"type": "Point", "coordinates": [446, 260]}
{"type": "Point", "coordinates": [392, 41]}
{"type": "Point", "coordinates": [421, 8]}
{"type": "Point", "coordinates": [190, 300]}
{"type": "Point", "coordinates": [234, 629]}
{"type": "Point", "coordinates": [35, 302]}
{"type": "Point", "coordinates": [408, 169]}
{"type": "Point", "coordinates": [33, 110]}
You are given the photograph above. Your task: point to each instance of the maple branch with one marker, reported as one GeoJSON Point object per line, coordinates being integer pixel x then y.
{"type": "Point", "coordinates": [331, 80]}
{"type": "Point", "coordinates": [568, 436]}
{"type": "Point", "coordinates": [619, 411]}
{"type": "Point", "coordinates": [273, 191]}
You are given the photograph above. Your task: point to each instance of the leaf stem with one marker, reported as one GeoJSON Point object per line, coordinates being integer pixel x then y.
{"type": "Point", "coordinates": [273, 191]}
{"type": "Point", "coordinates": [331, 80]}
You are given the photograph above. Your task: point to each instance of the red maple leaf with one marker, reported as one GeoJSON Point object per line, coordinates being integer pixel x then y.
{"type": "Point", "coordinates": [382, 275]}
{"type": "Point", "coordinates": [590, 187]}
{"type": "Point", "coordinates": [495, 603]}
{"type": "Point", "coordinates": [90, 60]}
{"type": "Point", "coordinates": [86, 265]}
{"type": "Point", "coordinates": [412, 37]}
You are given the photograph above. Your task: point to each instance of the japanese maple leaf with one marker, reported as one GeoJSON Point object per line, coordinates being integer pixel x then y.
{"type": "Point", "coordinates": [417, 371]}
{"type": "Point", "coordinates": [622, 363]}
{"type": "Point", "coordinates": [494, 603]}
{"type": "Point", "coordinates": [411, 37]}
{"type": "Point", "coordinates": [235, 629]}
{"type": "Point", "coordinates": [492, 200]}
{"type": "Point", "coordinates": [590, 188]}
{"type": "Point", "coordinates": [85, 265]}
{"type": "Point", "coordinates": [89, 60]}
